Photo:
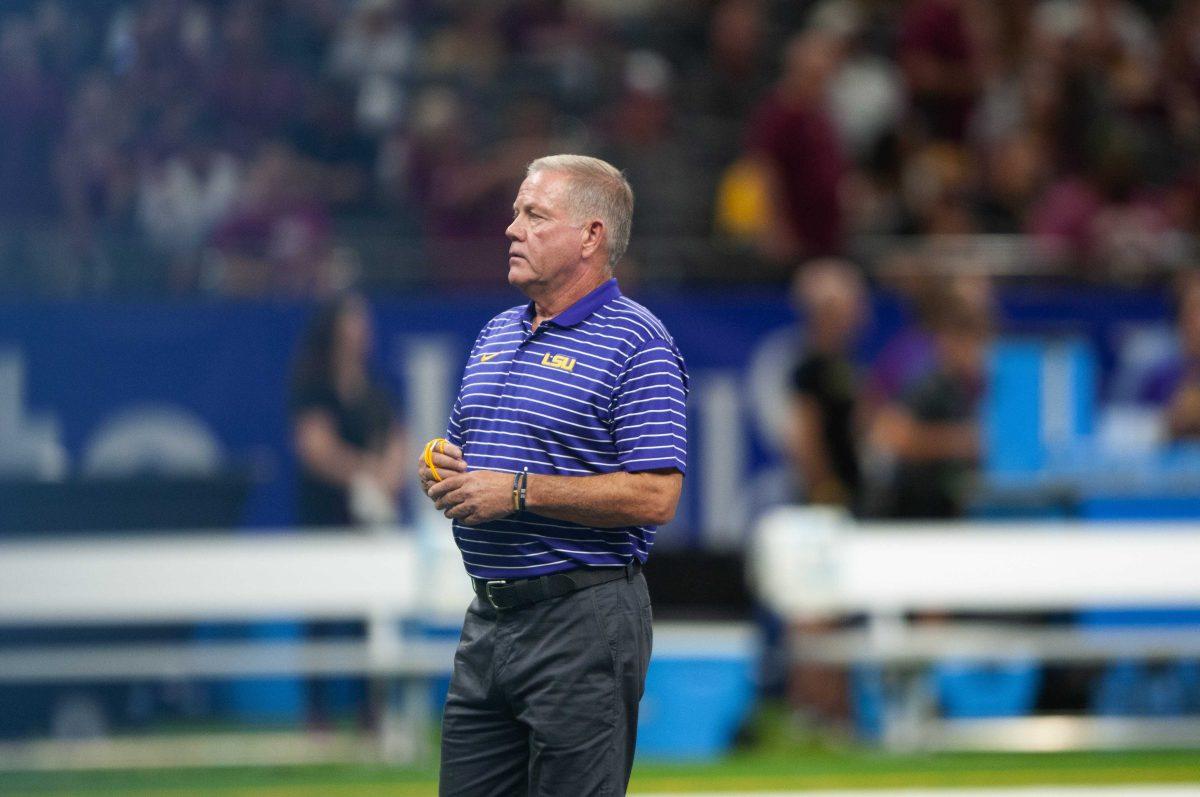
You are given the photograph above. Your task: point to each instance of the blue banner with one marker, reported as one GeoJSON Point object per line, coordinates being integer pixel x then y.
{"type": "Point", "coordinates": [210, 380]}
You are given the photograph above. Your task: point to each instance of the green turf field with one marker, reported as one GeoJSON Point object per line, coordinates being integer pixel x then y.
{"type": "Point", "coordinates": [744, 772]}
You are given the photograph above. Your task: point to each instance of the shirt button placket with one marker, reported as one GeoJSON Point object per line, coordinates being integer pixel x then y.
{"type": "Point", "coordinates": [512, 372]}
{"type": "Point", "coordinates": [513, 377]}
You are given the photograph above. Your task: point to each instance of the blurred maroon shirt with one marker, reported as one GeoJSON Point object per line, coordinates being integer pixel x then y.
{"type": "Point", "coordinates": [803, 144]}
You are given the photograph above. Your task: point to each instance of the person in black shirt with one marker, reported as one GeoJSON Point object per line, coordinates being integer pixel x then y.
{"type": "Point", "coordinates": [350, 447]}
{"type": "Point", "coordinates": [825, 382]}
{"type": "Point", "coordinates": [933, 431]}
{"type": "Point", "coordinates": [347, 438]}
{"type": "Point", "coordinates": [823, 443]}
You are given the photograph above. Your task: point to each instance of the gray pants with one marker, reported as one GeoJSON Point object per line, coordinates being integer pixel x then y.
{"type": "Point", "coordinates": [544, 699]}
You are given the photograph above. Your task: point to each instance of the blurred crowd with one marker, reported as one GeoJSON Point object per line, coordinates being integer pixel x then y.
{"type": "Point", "coordinates": [285, 148]}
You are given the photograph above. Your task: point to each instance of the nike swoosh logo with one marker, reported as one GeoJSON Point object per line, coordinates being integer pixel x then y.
{"type": "Point", "coordinates": [485, 357]}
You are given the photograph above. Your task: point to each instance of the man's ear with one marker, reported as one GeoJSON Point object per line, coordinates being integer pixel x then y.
{"type": "Point", "coordinates": [593, 235]}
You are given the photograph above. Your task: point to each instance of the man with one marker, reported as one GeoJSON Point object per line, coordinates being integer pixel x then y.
{"type": "Point", "coordinates": [823, 444]}
{"type": "Point", "coordinates": [567, 446]}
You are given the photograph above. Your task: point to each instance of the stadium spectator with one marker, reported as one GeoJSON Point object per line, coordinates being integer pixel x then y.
{"type": "Point", "coordinates": [938, 57]}
{"type": "Point", "coordinates": [937, 181]}
{"type": "Point", "coordinates": [341, 155]}
{"type": "Point", "coordinates": [182, 196]}
{"type": "Point", "coordinates": [372, 50]}
{"type": "Point", "coordinates": [720, 88]}
{"type": "Point", "coordinates": [93, 166]}
{"type": "Point", "coordinates": [1014, 173]}
{"type": "Point", "coordinates": [1181, 89]}
{"type": "Point", "coordinates": [466, 48]}
{"type": "Point", "coordinates": [277, 240]}
{"type": "Point", "coordinates": [31, 112]}
{"type": "Point", "coordinates": [824, 442]}
{"type": "Point", "coordinates": [793, 136]}
{"type": "Point", "coordinates": [256, 94]}
{"type": "Point", "coordinates": [866, 92]}
{"type": "Point", "coordinates": [349, 443]}
{"type": "Point", "coordinates": [1106, 216]}
{"type": "Point", "coordinates": [664, 173]}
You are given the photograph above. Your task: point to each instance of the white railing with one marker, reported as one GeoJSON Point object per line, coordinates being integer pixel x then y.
{"type": "Point", "coordinates": [810, 564]}
{"type": "Point", "coordinates": [382, 579]}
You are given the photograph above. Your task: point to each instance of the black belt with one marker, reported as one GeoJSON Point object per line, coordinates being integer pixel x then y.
{"type": "Point", "coordinates": [518, 592]}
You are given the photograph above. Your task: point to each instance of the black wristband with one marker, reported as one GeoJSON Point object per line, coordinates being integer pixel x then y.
{"type": "Point", "coordinates": [524, 479]}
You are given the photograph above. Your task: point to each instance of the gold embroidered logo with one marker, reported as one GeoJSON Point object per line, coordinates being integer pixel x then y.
{"type": "Point", "coordinates": [483, 358]}
{"type": "Point", "coordinates": [559, 361]}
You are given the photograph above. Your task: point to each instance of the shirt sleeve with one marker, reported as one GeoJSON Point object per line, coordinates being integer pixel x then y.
{"type": "Point", "coordinates": [649, 409]}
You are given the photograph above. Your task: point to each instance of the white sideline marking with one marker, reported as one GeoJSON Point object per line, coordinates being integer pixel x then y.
{"type": "Point", "coordinates": [1022, 791]}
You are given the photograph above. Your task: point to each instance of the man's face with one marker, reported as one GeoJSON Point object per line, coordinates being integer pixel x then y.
{"type": "Point", "coordinates": [545, 245]}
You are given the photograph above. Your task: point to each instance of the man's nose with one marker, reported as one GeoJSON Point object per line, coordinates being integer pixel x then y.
{"type": "Point", "coordinates": [514, 230]}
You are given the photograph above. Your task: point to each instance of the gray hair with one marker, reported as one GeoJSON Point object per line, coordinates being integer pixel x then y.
{"type": "Point", "coordinates": [599, 190]}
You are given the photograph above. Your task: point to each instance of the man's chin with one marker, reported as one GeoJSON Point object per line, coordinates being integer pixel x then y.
{"type": "Point", "coordinates": [518, 277]}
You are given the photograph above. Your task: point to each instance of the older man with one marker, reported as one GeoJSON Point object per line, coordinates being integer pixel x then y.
{"type": "Point", "coordinates": [567, 447]}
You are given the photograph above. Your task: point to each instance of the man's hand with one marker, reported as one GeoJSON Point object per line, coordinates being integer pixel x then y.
{"type": "Point", "coordinates": [475, 497]}
{"type": "Point", "coordinates": [448, 462]}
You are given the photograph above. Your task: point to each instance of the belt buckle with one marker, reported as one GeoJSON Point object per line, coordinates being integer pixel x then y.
{"type": "Point", "coordinates": [487, 590]}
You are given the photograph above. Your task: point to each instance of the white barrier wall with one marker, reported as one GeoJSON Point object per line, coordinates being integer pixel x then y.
{"type": "Point", "coordinates": [174, 578]}
{"type": "Point", "coordinates": [805, 560]}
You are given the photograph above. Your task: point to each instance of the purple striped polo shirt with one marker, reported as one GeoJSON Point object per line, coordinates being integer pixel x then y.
{"type": "Point", "coordinates": [599, 388]}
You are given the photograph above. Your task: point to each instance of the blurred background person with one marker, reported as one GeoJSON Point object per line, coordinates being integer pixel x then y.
{"type": "Point", "coordinates": [826, 383]}
{"type": "Point", "coordinates": [938, 57]}
{"type": "Point", "coordinates": [931, 433]}
{"type": "Point", "coordinates": [371, 50]}
{"type": "Point", "coordinates": [277, 238]}
{"type": "Point", "coordinates": [793, 140]}
{"type": "Point", "coordinates": [346, 433]}
{"type": "Point", "coordinates": [823, 444]}
{"type": "Point", "coordinates": [351, 446]}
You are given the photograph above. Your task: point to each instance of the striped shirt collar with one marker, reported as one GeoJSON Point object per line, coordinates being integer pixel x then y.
{"type": "Point", "coordinates": [605, 292]}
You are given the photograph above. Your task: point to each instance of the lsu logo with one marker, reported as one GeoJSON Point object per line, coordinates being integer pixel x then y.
{"type": "Point", "coordinates": [560, 361]}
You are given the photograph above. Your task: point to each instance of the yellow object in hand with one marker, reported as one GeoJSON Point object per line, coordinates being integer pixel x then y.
{"type": "Point", "coordinates": [440, 444]}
